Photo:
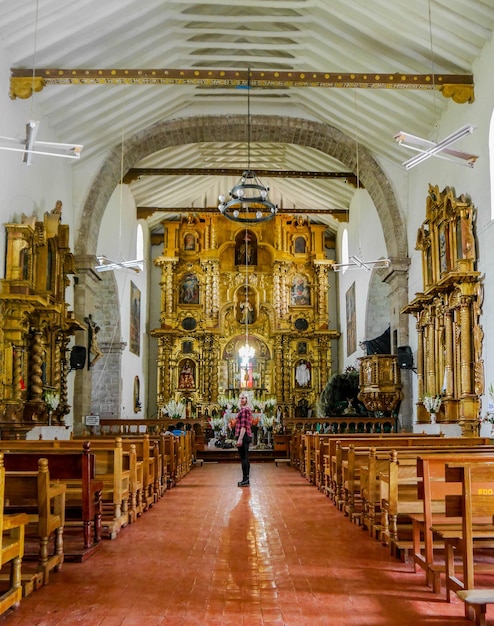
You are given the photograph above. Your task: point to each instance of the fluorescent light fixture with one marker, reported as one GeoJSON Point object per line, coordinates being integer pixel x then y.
{"type": "Point", "coordinates": [357, 264]}
{"type": "Point", "coordinates": [30, 145]}
{"type": "Point", "coordinates": [427, 148]}
{"type": "Point", "coordinates": [106, 265]}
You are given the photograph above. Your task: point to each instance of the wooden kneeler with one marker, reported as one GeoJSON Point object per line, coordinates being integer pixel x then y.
{"type": "Point", "coordinates": [477, 600]}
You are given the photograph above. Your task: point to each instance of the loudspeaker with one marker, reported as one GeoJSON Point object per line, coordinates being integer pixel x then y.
{"type": "Point", "coordinates": [77, 358]}
{"type": "Point", "coordinates": [405, 357]}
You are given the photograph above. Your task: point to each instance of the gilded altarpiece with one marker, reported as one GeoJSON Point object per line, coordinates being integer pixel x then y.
{"type": "Point", "coordinates": [223, 283]}
{"type": "Point", "coordinates": [448, 312]}
{"type": "Point", "coordinates": [35, 324]}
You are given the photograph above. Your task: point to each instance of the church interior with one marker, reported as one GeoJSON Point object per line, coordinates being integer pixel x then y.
{"type": "Point", "coordinates": [290, 200]}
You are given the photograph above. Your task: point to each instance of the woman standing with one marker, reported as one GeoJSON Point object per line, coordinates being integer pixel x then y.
{"type": "Point", "coordinates": [243, 433]}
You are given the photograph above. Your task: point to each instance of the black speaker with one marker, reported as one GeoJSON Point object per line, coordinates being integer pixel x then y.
{"type": "Point", "coordinates": [77, 358]}
{"type": "Point", "coordinates": [405, 357]}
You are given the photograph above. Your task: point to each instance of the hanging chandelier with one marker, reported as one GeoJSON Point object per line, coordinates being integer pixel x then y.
{"type": "Point", "coordinates": [249, 202]}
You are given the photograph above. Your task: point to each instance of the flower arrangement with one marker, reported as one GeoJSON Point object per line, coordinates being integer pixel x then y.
{"type": "Point", "coordinates": [267, 422]}
{"type": "Point", "coordinates": [52, 399]}
{"type": "Point", "coordinates": [224, 402]}
{"type": "Point", "coordinates": [269, 405]}
{"type": "Point", "coordinates": [216, 423]}
{"type": "Point", "coordinates": [174, 410]}
{"type": "Point", "coordinates": [432, 403]}
{"type": "Point", "coordinates": [255, 420]}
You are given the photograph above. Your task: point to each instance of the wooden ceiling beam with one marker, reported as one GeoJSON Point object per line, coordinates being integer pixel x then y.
{"type": "Point", "coordinates": [25, 81]}
{"type": "Point", "coordinates": [144, 212]}
{"type": "Point", "coordinates": [136, 172]}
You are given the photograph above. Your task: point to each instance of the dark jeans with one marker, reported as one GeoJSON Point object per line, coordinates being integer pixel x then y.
{"type": "Point", "coordinates": [244, 457]}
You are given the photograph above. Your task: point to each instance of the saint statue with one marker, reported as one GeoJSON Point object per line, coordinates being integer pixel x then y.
{"type": "Point", "coordinates": [302, 374]}
{"type": "Point", "coordinates": [186, 378]}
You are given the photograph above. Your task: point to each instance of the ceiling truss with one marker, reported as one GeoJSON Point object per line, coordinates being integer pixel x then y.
{"type": "Point", "coordinates": [340, 215]}
{"type": "Point", "coordinates": [24, 82]}
{"type": "Point", "coordinates": [135, 173]}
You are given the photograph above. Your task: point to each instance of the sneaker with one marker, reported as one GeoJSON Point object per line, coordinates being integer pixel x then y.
{"type": "Point", "coordinates": [243, 483]}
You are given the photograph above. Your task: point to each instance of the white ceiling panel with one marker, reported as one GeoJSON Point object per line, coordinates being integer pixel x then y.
{"type": "Point", "coordinates": [382, 36]}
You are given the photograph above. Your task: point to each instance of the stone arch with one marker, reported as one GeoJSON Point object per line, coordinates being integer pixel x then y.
{"type": "Point", "coordinates": [279, 129]}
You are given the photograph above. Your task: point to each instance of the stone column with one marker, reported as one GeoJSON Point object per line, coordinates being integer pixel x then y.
{"type": "Point", "coordinates": [396, 276]}
{"type": "Point", "coordinates": [84, 301]}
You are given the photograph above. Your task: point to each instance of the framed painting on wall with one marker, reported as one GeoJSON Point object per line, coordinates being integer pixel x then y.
{"type": "Point", "coordinates": [135, 320]}
{"type": "Point", "coordinates": [351, 321]}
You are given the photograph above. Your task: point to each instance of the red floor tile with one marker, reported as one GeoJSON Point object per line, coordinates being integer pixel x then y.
{"type": "Point", "coordinates": [210, 553]}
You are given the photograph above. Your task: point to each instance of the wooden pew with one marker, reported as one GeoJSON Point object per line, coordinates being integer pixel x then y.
{"type": "Point", "coordinates": [335, 445]}
{"type": "Point", "coordinates": [399, 494]}
{"type": "Point", "coordinates": [141, 446]}
{"type": "Point", "coordinates": [367, 476]}
{"type": "Point", "coordinates": [377, 462]}
{"type": "Point", "coordinates": [11, 548]}
{"type": "Point", "coordinates": [475, 506]}
{"type": "Point", "coordinates": [432, 490]}
{"type": "Point", "coordinates": [43, 502]}
{"type": "Point", "coordinates": [76, 470]}
{"type": "Point", "coordinates": [111, 466]}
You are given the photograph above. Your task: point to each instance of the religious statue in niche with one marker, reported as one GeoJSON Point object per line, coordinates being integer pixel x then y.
{"type": "Point", "coordinates": [93, 348]}
{"type": "Point", "coordinates": [300, 245]}
{"type": "Point", "coordinates": [189, 289]}
{"type": "Point", "coordinates": [300, 292]}
{"type": "Point", "coordinates": [189, 242]}
{"type": "Point", "coordinates": [246, 313]}
{"type": "Point", "coordinates": [186, 379]}
{"type": "Point", "coordinates": [443, 249]}
{"type": "Point", "coordinates": [302, 408]}
{"type": "Point", "coordinates": [246, 248]}
{"type": "Point", "coordinates": [302, 373]}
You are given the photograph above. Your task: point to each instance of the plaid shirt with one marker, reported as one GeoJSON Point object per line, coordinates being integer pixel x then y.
{"type": "Point", "coordinates": [244, 418]}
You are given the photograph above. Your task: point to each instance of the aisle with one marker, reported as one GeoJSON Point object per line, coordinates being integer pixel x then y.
{"type": "Point", "coordinates": [211, 554]}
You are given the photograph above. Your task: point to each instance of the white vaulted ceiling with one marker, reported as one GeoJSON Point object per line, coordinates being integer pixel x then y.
{"type": "Point", "coordinates": [360, 36]}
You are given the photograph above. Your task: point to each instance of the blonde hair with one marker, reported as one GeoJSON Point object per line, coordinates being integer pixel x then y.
{"type": "Point", "coordinates": [246, 396]}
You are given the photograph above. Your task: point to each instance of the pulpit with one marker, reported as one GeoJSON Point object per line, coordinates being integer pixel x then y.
{"type": "Point", "coordinates": [380, 383]}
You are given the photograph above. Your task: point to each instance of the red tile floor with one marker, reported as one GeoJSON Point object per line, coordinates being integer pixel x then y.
{"type": "Point", "coordinates": [210, 553]}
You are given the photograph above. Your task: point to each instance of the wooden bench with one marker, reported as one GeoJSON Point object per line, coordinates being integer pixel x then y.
{"type": "Point", "coordinates": [432, 490]}
{"type": "Point", "coordinates": [76, 470]}
{"type": "Point", "coordinates": [43, 502]}
{"type": "Point", "coordinates": [141, 446]}
{"type": "Point", "coordinates": [336, 450]}
{"type": "Point", "coordinates": [399, 495]}
{"type": "Point", "coordinates": [11, 548]}
{"type": "Point", "coordinates": [112, 466]}
{"type": "Point", "coordinates": [475, 506]}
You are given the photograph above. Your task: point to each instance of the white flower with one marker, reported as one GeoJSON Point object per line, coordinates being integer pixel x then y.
{"type": "Point", "coordinates": [224, 402]}
{"type": "Point", "coordinates": [432, 403]}
{"type": "Point", "coordinates": [217, 423]}
{"type": "Point", "coordinates": [52, 399]}
{"type": "Point", "coordinates": [175, 410]}
{"type": "Point", "coordinates": [267, 422]}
